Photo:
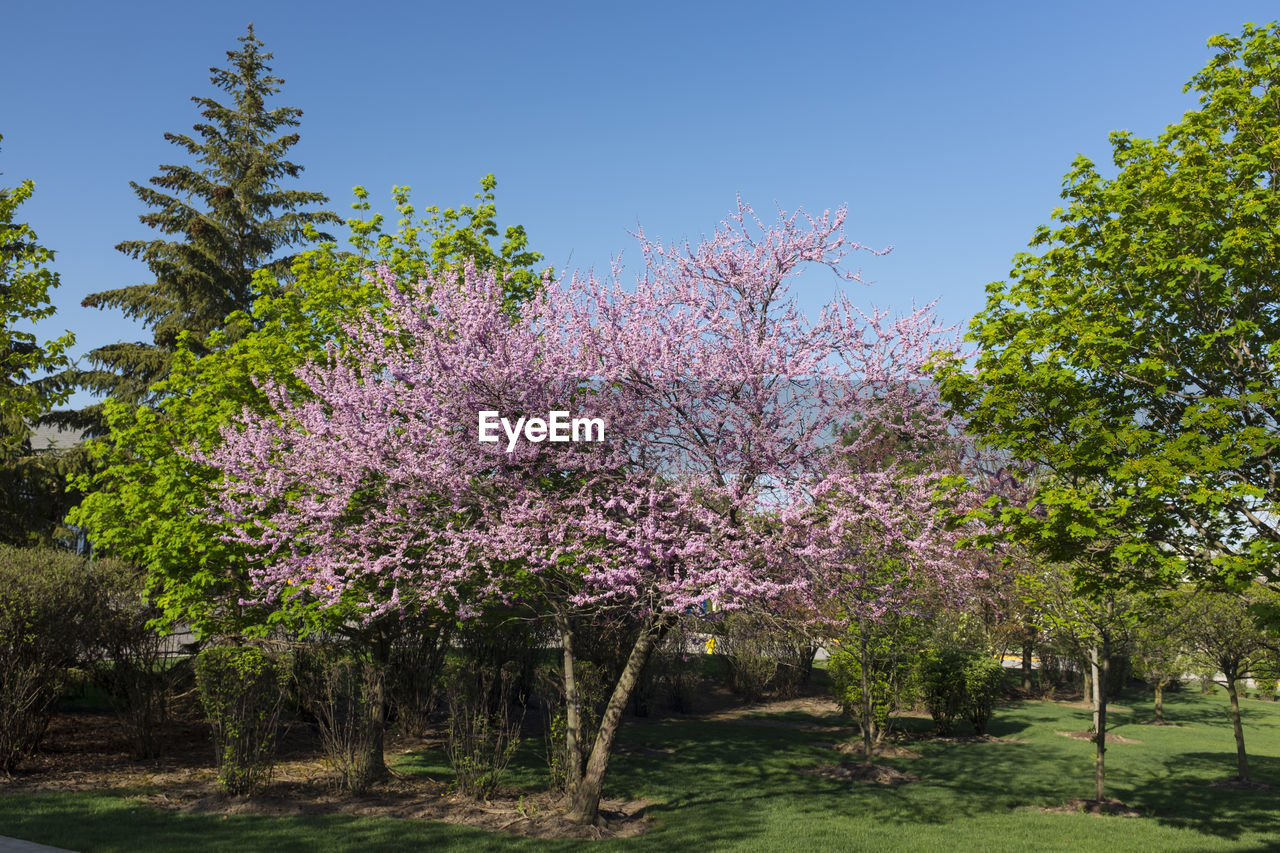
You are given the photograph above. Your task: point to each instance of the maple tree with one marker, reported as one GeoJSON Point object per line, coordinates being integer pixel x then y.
{"type": "Point", "coordinates": [1132, 356]}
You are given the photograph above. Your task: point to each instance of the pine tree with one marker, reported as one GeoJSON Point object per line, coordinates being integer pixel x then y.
{"type": "Point", "coordinates": [222, 220]}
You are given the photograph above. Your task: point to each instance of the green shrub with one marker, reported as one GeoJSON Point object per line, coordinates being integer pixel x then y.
{"type": "Point", "coordinates": [130, 664]}
{"type": "Point", "coordinates": [940, 674]}
{"type": "Point", "coordinates": [983, 683]}
{"type": "Point", "coordinates": [484, 727]}
{"type": "Point", "coordinates": [676, 673]}
{"type": "Point", "coordinates": [413, 675]}
{"type": "Point", "coordinates": [845, 670]}
{"type": "Point", "coordinates": [957, 683]}
{"type": "Point", "coordinates": [593, 694]}
{"type": "Point", "coordinates": [242, 690]}
{"type": "Point", "coordinates": [885, 650]}
{"type": "Point", "coordinates": [344, 693]}
{"type": "Point", "coordinates": [48, 599]}
{"type": "Point", "coordinates": [747, 645]}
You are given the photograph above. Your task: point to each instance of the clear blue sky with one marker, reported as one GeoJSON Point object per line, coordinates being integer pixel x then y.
{"type": "Point", "coordinates": [945, 127]}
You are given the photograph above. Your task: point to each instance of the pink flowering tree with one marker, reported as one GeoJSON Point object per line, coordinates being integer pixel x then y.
{"type": "Point", "coordinates": [720, 476]}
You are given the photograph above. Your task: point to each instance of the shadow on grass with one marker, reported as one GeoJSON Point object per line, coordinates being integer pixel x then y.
{"type": "Point", "coordinates": [1185, 796]}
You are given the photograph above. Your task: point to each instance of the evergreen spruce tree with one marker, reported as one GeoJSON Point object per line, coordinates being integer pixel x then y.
{"type": "Point", "coordinates": [222, 219]}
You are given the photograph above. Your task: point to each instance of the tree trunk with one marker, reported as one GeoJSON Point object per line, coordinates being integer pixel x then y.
{"type": "Point", "coordinates": [373, 761]}
{"type": "Point", "coordinates": [1101, 665]}
{"type": "Point", "coordinates": [1088, 682]}
{"type": "Point", "coordinates": [1242, 759]}
{"type": "Point", "coordinates": [1160, 701]}
{"type": "Point", "coordinates": [585, 801]}
{"type": "Point", "coordinates": [868, 732]}
{"type": "Point", "coordinates": [1028, 648]}
{"type": "Point", "coordinates": [572, 709]}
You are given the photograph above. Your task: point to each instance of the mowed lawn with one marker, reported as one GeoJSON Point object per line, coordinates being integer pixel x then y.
{"type": "Point", "coordinates": [739, 785]}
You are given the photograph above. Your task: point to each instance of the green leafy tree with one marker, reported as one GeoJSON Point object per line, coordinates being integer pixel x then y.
{"type": "Point", "coordinates": [1098, 625]}
{"type": "Point", "coordinates": [145, 501]}
{"type": "Point", "coordinates": [1159, 653]}
{"type": "Point", "coordinates": [27, 482]}
{"type": "Point", "coordinates": [222, 220]}
{"type": "Point", "coordinates": [1224, 632]}
{"type": "Point", "coordinates": [1133, 356]}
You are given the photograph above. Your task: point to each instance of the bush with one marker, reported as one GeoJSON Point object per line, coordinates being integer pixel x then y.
{"type": "Point", "coordinates": [846, 683]}
{"type": "Point", "coordinates": [413, 675]}
{"type": "Point", "coordinates": [47, 602]}
{"type": "Point", "coordinates": [131, 665]}
{"type": "Point", "coordinates": [343, 692]}
{"type": "Point", "coordinates": [887, 650]}
{"type": "Point", "coordinates": [242, 691]}
{"type": "Point", "coordinates": [958, 683]}
{"type": "Point", "coordinates": [593, 694]}
{"type": "Point", "coordinates": [676, 672]}
{"type": "Point", "coordinates": [941, 677]}
{"type": "Point", "coordinates": [746, 644]}
{"type": "Point", "coordinates": [484, 727]}
{"type": "Point", "coordinates": [983, 683]}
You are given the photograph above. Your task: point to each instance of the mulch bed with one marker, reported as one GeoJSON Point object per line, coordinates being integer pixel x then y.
{"type": "Point", "coordinates": [87, 751]}
{"type": "Point", "coordinates": [1114, 808]}
{"type": "Point", "coordinates": [873, 774]}
{"type": "Point", "coordinates": [1239, 785]}
{"type": "Point", "coordinates": [883, 749]}
{"type": "Point", "coordinates": [1111, 738]}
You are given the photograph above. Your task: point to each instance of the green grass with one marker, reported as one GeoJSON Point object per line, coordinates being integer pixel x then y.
{"type": "Point", "coordinates": [735, 786]}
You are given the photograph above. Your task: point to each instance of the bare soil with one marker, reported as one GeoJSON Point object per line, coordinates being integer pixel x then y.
{"type": "Point", "coordinates": [1240, 785]}
{"type": "Point", "coordinates": [1093, 807]}
{"type": "Point", "coordinates": [872, 774]}
{"type": "Point", "coordinates": [89, 752]}
{"type": "Point", "coordinates": [884, 749]}
{"type": "Point", "coordinates": [1111, 738]}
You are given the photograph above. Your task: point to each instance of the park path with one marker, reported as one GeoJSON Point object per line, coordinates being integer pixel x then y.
{"type": "Point", "coordinates": [17, 845]}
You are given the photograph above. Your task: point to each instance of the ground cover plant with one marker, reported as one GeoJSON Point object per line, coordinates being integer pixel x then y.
{"type": "Point", "coordinates": [753, 778]}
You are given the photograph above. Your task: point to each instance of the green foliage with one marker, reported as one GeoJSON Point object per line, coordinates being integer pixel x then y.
{"type": "Point", "coordinates": [767, 653]}
{"type": "Point", "coordinates": [983, 684]}
{"type": "Point", "coordinates": [941, 676]}
{"type": "Point", "coordinates": [484, 727]}
{"type": "Point", "coordinates": [593, 685]}
{"type": "Point", "coordinates": [242, 690]}
{"type": "Point", "coordinates": [747, 644]}
{"type": "Point", "coordinates": [25, 285]}
{"type": "Point", "coordinates": [143, 501]}
{"type": "Point", "coordinates": [956, 683]}
{"type": "Point", "coordinates": [49, 601]}
{"type": "Point", "coordinates": [344, 691]}
{"type": "Point", "coordinates": [883, 652]}
{"type": "Point", "coordinates": [675, 671]}
{"type": "Point", "coordinates": [413, 674]}
{"type": "Point", "coordinates": [33, 498]}
{"type": "Point", "coordinates": [1228, 632]}
{"type": "Point", "coordinates": [1134, 352]}
{"type": "Point", "coordinates": [130, 663]}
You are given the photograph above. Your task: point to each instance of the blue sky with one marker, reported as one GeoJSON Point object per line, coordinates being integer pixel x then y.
{"type": "Point", "coordinates": [945, 127]}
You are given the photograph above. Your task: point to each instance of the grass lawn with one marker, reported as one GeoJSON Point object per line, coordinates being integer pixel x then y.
{"type": "Point", "coordinates": [737, 785]}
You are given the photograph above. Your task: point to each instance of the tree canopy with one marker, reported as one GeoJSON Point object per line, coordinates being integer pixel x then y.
{"type": "Point", "coordinates": [30, 498]}
{"type": "Point", "coordinates": [1132, 356]}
